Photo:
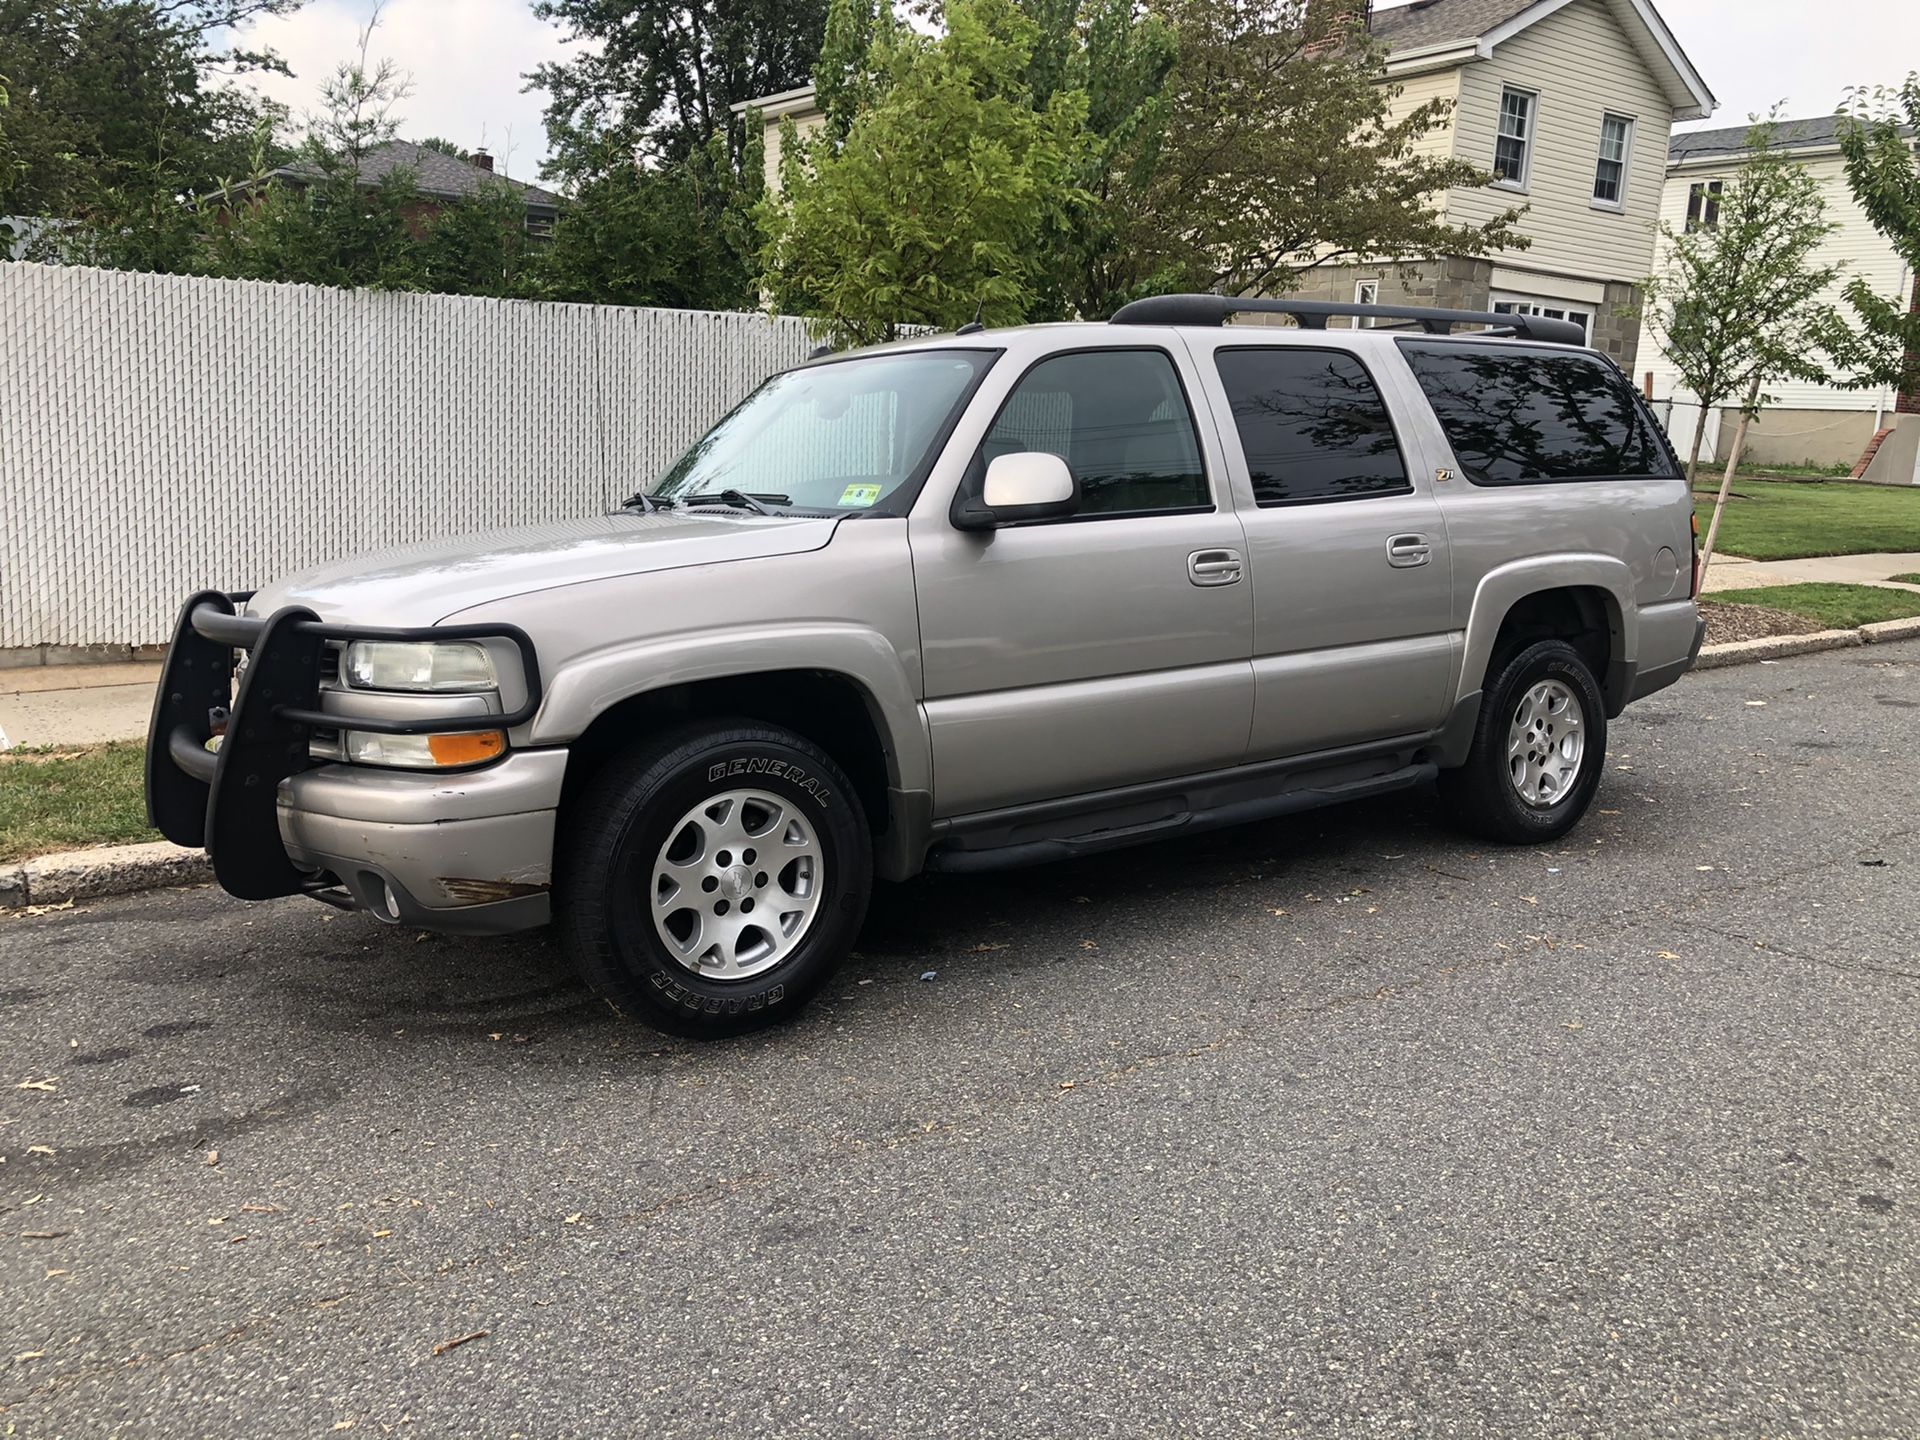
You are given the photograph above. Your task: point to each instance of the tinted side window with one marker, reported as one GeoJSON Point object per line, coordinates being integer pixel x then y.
{"type": "Point", "coordinates": [1120, 421]}
{"type": "Point", "coordinates": [1517, 416]}
{"type": "Point", "coordinates": [1312, 424]}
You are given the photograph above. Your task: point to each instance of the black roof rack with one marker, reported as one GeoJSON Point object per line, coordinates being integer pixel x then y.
{"type": "Point", "coordinates": [1314, 314]}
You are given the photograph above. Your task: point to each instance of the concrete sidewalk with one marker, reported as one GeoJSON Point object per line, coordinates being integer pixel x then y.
{"type": "Point", "coordinates": [76, 704]}
{"type": "Point", "coordinates": [1730, 572]}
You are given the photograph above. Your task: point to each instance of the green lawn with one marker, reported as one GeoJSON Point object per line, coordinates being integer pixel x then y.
{"type": "Point", "coordinates": [71, 798]}
{"type": "Point", "coordinates": [1906, 579]}
{"type": "Point", "coordinates": [1838, 607]}
{"type": "Point", "coordinates": [1779, 520]}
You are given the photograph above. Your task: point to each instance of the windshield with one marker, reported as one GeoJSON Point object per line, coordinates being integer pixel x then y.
{"type": "Point", "coordinates": [836, 437]}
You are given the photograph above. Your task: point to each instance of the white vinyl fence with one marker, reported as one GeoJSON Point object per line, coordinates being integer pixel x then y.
{"type": "Point", "coordinates": [160, 434]}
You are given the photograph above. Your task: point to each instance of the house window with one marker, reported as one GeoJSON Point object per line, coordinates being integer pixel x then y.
{"type": "Point", "coordinates": [1512, 151]}
{"type": "Point", "coordinates": [1703, 205]}
{"type": "Point", "coordinates": [540, 224]}
{"type": "Point", "coordinates": [1610, 175]}
{"type": "Point", "coordinates": [1365, 292]}
{"type": "Point", "coordinates": [1547, 310]}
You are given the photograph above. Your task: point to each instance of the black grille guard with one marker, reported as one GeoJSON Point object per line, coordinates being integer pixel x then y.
{"type": "Point", "coordinates": [223, 800]}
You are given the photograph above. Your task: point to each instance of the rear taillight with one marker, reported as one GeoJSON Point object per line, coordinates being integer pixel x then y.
{"type": "Point", "coordinates": [1693, 524]}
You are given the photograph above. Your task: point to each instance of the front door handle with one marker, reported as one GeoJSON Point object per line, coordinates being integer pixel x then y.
{"type": "Point", "coordinates": [1406, 551]}
{"type": "Point", "coordinates": [1214, 567]}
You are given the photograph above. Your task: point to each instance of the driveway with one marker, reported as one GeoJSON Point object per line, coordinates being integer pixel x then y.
{"type": "Point", "coordinates": [1336, 1126]}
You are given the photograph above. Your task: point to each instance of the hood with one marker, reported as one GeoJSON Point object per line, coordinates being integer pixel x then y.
{"type": "Point", "coordinates": [423, 584]}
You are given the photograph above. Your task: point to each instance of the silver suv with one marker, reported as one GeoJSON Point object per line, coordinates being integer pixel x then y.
{"type": "Point", "coordinates": [955, 604]}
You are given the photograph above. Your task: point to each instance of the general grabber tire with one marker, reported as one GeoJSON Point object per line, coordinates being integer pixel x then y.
{"type": "Point", "coordinates": [711, 879]}
{"type": "Point", "coordinates": [1538, 749]}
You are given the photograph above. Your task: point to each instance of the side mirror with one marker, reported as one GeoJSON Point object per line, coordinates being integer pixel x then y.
{"type": "Point", "coordinates": [1030, 485]}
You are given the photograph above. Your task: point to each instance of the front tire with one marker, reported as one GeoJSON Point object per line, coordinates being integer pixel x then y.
{"type": "Point", "coordinates": [1539, 746]}
{"type": "Point", "coordinates": [710, 880]}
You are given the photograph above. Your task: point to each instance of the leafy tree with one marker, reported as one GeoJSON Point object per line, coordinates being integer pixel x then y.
{"type": "Point", "coordinates": [934, 205]}
{"type": "Point", "coordinates": [655, 78]}
{"type": "Point", "coordinates": [318, 224]}
{"type": "Point", "coordinates": [443, 146]}
{"type": "Point", "coordinates": [11, 166]}
{"type": "Point", "coordinates": [663, 176]}
{"type": "Point", "coordinates": [478, 245]}
{"type": "Point", "coordinates": [1281, 153]}
{"type": "Point", "coordinates": [1119, 55]}
{"type": "Point", "coordinates": [679, 235]}
{"type": "Point", "coordinates": [1885, 181]}
{"type": "Point", "coordinates": [1740, 303]}
{"type": "Point", "coordinates": [118, 103]}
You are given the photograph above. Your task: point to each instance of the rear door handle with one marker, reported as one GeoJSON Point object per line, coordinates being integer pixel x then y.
{"type": "Point", "coordinates": [1406, 551]}
{"type": "Point", "coordinates": [1214, 567]}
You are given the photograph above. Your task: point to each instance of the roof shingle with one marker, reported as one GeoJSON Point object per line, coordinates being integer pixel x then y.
{"type": "Point", "coordinates": [1435, 22]}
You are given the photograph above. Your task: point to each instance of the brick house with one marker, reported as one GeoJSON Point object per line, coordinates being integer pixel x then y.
{"type": "Point", "coordinates": [438, 178]}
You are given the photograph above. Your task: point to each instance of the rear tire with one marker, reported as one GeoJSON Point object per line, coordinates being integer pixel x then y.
{"type": "Point", "coordinates": [1538, 749]}
{"type": "Point", "coordinates": [711, 879]}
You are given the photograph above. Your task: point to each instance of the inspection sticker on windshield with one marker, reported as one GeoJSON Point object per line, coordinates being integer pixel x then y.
{"type": "Point", "coordinates": [859, 494]}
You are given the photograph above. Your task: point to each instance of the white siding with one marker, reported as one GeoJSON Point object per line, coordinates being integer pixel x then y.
{"type": "Point", "coordinates": [1582, 66]}
{"type": "Point", "coordinates": [1865, 252]}
{"type": "Point", "coordinates": [162, 434]}
{"type": "Point", "coordinates": [1417, 91]}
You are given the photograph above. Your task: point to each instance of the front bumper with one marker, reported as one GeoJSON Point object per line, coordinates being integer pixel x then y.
{"type": "Point", "coordinates": [452, 850]}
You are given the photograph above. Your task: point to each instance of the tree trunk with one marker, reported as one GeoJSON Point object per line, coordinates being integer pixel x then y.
{"type": "Point", "coordinates": [1699, 439]}
{"type": "Point", "coordinates": [1726, 480]}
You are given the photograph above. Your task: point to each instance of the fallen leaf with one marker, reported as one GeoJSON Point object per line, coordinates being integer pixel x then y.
{"type": "Point", "coordinates": [1574, 1025]}
{"type": "Point", "coordinates": [26, 1355]}
{"type": "Point", "coordinates": [1066, 1084]}
{"type": "Point", "coordinates": [929, 974]}
{"type": "Point", "coordinates": [1088, 945]}
{"type": "Point", "coordinates": [1666, 955]}
{"type": "Point", "coordinates": [39, 1150]}
{"type": "Point", "coordinates": [989, 945]}
{"type": "Point", "coordinates": [44, 1234]}
{"type": "Point", "coordinates": [344, 1424]}
{"type": "Point", "coordinates": [251, 1209]}
{"type": "Point", "coordinates": [1281, 912]}
{"type": "Point", "coordinates": [574, 1219]}
{"type": "Point", "coordinates": [48, 1084]}
{"type": "Point", "coordinates": [1531, 899]}
{"type": "Point", "coordinates": [213, 1157]}
{"type": "Point", "coordinates": [381, 1234]}
{"type": "Point", "coordinates": [1756, 703]}
{"type": "Point", "coordinates": [458, 1340]}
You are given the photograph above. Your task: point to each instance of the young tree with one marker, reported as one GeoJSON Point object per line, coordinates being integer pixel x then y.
{"type": "Point", "coordinates": [934, 206]}
{"type": "Point", "coordinates": [1885, 180]}
{"type": "Point", "coordinates": [325, 227]}
{"type": "Point", "coordinates": [1740, 303]}
{"type": "Point", "coordinates": [1282, 153]}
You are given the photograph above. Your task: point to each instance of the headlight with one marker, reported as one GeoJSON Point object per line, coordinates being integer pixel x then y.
{"type": "Point", "coordinates": [419, 665]}
{"type": "Point", "coordinates": [425, 752]}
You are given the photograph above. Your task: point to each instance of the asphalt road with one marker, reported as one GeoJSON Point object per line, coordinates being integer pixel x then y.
{"type": "Point", "coordinates": [1335, 1126]}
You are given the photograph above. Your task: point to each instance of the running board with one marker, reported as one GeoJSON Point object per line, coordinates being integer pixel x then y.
{"type": "Point", "coordinates": [949, 858]}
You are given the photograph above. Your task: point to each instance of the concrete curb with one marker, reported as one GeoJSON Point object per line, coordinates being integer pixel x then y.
{"type": "Point", "coordinates": [1774, 647]}
{"type": "Point", "coordinates": [103, 870]}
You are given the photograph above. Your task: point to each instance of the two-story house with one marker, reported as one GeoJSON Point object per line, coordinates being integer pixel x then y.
{"type": "Point", "coordinates": [1568, 102]}
{"type": "Point", "coordinates": [1874, 430]}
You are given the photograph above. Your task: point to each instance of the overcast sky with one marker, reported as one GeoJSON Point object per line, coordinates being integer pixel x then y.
{"type": "Point", "coordinates": [467, 57]}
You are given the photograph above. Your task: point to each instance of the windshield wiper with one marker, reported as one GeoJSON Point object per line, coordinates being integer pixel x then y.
{"type": "Point", "coordinates": [646, 504]}
{"type": "Point", "coordinates": [740, 500]}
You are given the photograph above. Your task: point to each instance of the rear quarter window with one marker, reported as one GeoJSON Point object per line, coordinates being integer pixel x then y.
{"type": "Point", "coordinates": [1526, 415]}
